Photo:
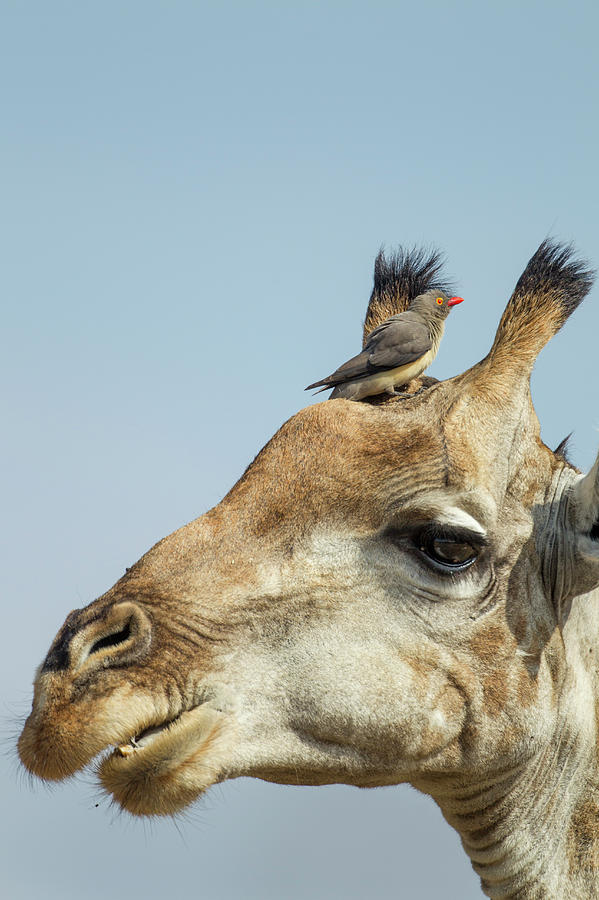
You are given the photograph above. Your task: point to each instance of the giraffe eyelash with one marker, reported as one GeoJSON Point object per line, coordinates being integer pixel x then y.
{"type": "Point", "coordinates": [449, 551]}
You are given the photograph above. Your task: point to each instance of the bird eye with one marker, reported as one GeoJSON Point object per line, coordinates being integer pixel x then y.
{"type": "Point", "coordinates": [440, 301]}
{"type": "Point", "coordinates": [447, 552]}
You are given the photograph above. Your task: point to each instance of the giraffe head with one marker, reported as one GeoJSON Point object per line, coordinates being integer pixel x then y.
{"type": "Point", "coordinates": [390, 593]}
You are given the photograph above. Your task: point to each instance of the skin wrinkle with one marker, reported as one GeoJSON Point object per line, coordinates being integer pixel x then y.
{"type": "Point", "coordinates": [490, 600]}
{"type": "Point", "coordinates": [492, 812]}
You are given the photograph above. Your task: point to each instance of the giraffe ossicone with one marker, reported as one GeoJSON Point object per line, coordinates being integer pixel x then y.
{"type": "Point", "coordinates": [396, 590]}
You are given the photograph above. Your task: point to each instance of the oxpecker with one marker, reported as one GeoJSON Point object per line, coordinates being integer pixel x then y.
{"type": "Point", "coordinates": [398, 350]}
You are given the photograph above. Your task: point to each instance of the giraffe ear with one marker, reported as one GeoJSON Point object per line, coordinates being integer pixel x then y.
{"type": "Point", "coordinates": [552, 285]}
{"type": "Point", "coordinates": [585, 508]}
{"type": "Point", "coordinates": [570, 559]}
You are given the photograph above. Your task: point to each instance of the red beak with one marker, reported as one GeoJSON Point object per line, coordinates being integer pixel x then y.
{"type": "Point", "coordinates": [454, 301]}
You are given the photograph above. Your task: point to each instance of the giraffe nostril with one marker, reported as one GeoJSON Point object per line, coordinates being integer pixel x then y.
{"type": "Point", "coordinates": [118, 636]}
{"type": "Point", "coordinates": [112, 640]}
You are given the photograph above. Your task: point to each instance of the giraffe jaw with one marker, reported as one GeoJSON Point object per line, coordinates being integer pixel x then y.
{"type": "Point", "coordinates": [168, 765]}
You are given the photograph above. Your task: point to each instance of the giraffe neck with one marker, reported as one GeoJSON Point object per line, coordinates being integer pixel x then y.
{"type": "Point", "coordinates": [531, 832]}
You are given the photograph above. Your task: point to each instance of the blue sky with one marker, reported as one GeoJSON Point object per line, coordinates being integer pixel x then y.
{"type": "Point", "coordinates": [192, 197]}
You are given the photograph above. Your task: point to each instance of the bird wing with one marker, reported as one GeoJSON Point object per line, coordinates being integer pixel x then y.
{"type": "Point", "coordinates": [398, 341]}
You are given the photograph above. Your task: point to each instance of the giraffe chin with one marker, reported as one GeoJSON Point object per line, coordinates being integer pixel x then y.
{"type": "Point", "coordinates": [165, 768]}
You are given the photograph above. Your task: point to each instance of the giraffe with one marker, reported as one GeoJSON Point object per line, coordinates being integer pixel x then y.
{"type": "Point", "coordinates": [404, 589]}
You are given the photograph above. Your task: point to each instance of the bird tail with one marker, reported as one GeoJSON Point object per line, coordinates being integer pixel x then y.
{"type": "Point", "coordinates": [317, 384]}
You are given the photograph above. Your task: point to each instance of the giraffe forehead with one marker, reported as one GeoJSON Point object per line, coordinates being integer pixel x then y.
{"type": "Point", "coordinates": [346, 451]}
{"type": "Point", "coordinates": [361, 465]}
{"type": "Point", "coordinates": [357, 463]}
{"type": "Point", "coordinates": [342, 431]}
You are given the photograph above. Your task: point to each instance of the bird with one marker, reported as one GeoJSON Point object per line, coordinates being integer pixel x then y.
{"type": "Point", "coordinates": [399, 349]}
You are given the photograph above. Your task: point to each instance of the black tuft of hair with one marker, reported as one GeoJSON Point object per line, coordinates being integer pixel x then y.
{"type": "Point", "coordinates": [553, 268]}
{"type": "Point", "coordinates": [562, 449]}
{"type": "Point", "coordinates": [408, 273]}
{"type": "Point", "coordinates": [398, 278]}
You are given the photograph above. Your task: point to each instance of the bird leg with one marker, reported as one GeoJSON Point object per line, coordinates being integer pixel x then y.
{"type": "Point", "coordinates": [403, 395]}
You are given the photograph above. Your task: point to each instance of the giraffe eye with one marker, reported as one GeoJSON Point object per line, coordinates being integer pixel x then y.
{"type": "Point", "coordinates": [447, 551]}
{"type": "Point", "coordinates": [440, 301]}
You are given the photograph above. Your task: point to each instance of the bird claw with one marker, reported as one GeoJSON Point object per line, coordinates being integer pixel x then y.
{"type": "Point", "coordinates": [403, 395]}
